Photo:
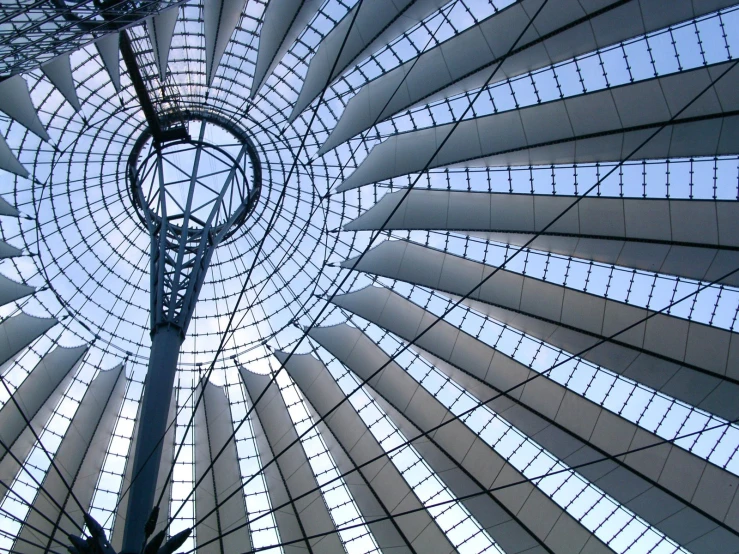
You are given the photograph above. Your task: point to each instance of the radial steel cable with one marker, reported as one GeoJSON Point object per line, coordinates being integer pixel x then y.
{"type": "Point", "coordinates": [480, 403]}
{"type": "Point", "coordinates": [502, 266]}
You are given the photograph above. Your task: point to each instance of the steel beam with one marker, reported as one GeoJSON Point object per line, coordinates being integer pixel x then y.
{"type": "Point", "coordinates": [165, 350]}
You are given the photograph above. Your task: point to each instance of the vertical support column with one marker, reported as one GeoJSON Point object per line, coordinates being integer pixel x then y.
{"type": "Point", "coordinates": [164, 481]}
{"type": "Point", "coordinates": [165, 350]}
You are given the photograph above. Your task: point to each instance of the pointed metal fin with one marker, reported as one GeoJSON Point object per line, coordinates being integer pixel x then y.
{"type": "Point", "coordinates": [59, 72]}
{"type": "Point", "coordinates": [161, 29]}
{"type": "Point", "coordinates": [18, 105]}
{"type": "Point", "coordinates": [221, 18]}
{"type": "Point", "coordinates": [11, 290]}
{"type": "Point", "coordinates": [6, 208]}
{"type": "Point", "coordinates": [110, 53]}
{"type": "Point", "coordinates": [284, 20]}
{"type": "Point", "coordinates": [8, 161]}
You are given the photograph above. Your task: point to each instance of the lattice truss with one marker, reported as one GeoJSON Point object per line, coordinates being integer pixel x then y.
{"type": "Point", "coordinates": [486, 300]}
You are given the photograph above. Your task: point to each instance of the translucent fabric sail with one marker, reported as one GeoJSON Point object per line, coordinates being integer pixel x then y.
{"type": "Point", "coordinates": [445, 276]}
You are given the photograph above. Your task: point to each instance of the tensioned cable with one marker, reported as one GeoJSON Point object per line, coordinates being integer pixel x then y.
{"type": "Point", "coordinates": [40, 444]}
{"type": "Point", "coordinates": [517, 252]}
{"type": "Point", "coordinates": [36, 531]}
{"type": "Point", "coordinates": [26, 541]}
{"type": "Point", "coordinates": [376, 234]}
{"type": "Point", "coordinates": [527, 480]}
{"type": "Point", "coordinates": [308, 130]}
{"type": "Point", "coordinates": [407, 191]}
{"type": "Point", "coordinates": [173, 421]}
{"type": "Point", "coordinates": [246, 280]}
{"type": "Point", "coordinates": [206, 375]}
{"type": "Point", "coordinates": [30, 505]}
{"type": "Point", "coordinates": [455, 417]}
{"type": "Point", "coordinates": [40, 486]}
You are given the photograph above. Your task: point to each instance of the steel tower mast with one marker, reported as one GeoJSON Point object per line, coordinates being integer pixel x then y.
{"type": "Point", "coordinates": [191, 194]}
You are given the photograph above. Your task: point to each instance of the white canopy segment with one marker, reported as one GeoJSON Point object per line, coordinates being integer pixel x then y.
{"type": "Point", "coordinates": [6, 208]}
{"type": "Point", "coordinates": [284, 20]}
{"type": "Point", "coordinates": [370, 276]}
{"type": "Point", "coordinates": [10, 290]}
{"type": "Point", "coordinates": [627, 116]}
{"type": "Point", "coordinates": [35, 400]}
{"type": "Point", "coordinates": [220, 20]}
{"type": "Point", "coordinates": [220, 510]}
{"type": "Point", "coordinates": [59, 72]}
{"type": "Point", "coordinates": [107, 48]}
{"type": "Point", "coordinates": [9, 162]}
{"type": "Point", "coordinates": [346, 425]}
{"type": "Point", "coordinates": [383, 19]}
{"type": "Point", "coordinates": [562, 30]}
{"type": "Point", "coordinates": [306, 506]}
{"type": "Point", "coordinates": [696, 240]}
{"type": "Point", "coordinates": [161, 29]}
{"type": "Point", "coordinates": [18, 331]}
{"type": "Point", "coordinates": [58, 507]}
{"type": "Point", "coordinates": [18, 105]}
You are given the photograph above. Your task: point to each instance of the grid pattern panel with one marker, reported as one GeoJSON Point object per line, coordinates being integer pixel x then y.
{"type": "Point", "coordinates": [451, 516]}
{"type": "Point", "coordinates": [614, 524]}
{"type": "Point", "coordinates": [84, 251]}
{"type": "Point", "coordinates": [336, 495]}
{"type": "Point", "coordinates": [262, 525]}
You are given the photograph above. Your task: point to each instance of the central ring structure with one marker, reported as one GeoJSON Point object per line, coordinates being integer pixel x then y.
{"type": "Point", "coordinates": [208, 183]}
{"type": "Point", "coordinates": [191, 195]}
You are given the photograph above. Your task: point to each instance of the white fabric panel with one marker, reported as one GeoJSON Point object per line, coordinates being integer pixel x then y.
{"type": "Point", "coordinates": [18, 106]}
{"type": "Point", "coordinates": [702, 390]}
{"type": "Point", "coordinates": [692, 262]}
{"type": "Point", "coordinates": [9, 162]}
{"type": "Point", "coordinates": [672, 468]}
{"type": "Point", "coordinates": [6, 208]}
{"type": "Point", "coordinates": [668, 514]}
{"type": "Point", "coordinates": [92, 464]}
{"type": "Point", "coordinates": [37, 396]}
{"type": "Point", "coordinates": [448, 69]}
{"type": "Point", "coordinates": [10, 290]}
{"type": "Point", "coordinates": [524, 137]}
{"type": "Point", "coordinates": [354, 444]}
{"type": "Point", "coordinates": [19, 331]}
{"type": "Point", "coordinates": [221, 18]}
{"type": "Point", "coordinates": [79, 458]}
{"type": "Point", "coordinates": [378, 22]}
{"type": "Point", "coordinates": [109, 51]}
{"type": "Point", "coordinates": [687, 342]}
{"type": "Point", "coordinates": [700, 222]}
{"type": "Point", "coordinates": [293, 464]}
{"type": "Point", "coordinates": [534, 510]}
{"type": "Point", "coordinates": [213, 431]}
{"type": "Point", "coordinates": [168, 450]}
{"type": "Point", "coordinates": [284, 20]}
{"type": "Point", "coordinates": [59, 72]}
{"type": "Point", "coordinates": [508, 533]}
{"type": "Point", "coordinates": [161, 28]}
{"type": "Point", "coordinates": [285, 518]}
{"type": "Point", "coordinates": [7, 251]}
{"type": "Point", "coordinates": [642, 238]}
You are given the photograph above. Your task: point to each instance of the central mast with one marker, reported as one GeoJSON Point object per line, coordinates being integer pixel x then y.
{"type": "Point", "coordinates": [191, 195]}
